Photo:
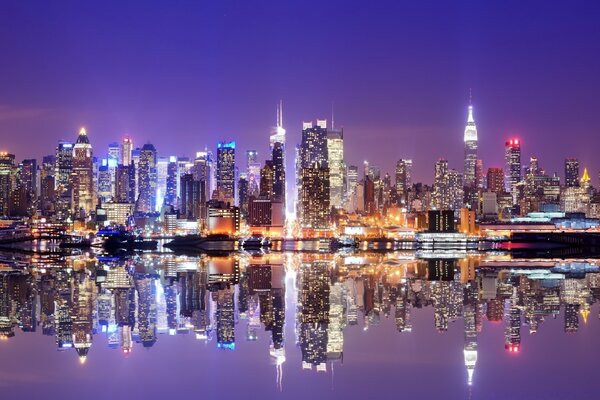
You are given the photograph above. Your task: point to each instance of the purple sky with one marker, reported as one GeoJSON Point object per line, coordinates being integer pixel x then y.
{"type": "Point", "coordinates": [187, 75]}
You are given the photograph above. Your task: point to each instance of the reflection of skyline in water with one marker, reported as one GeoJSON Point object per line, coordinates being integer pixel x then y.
{"type": "Point", "coordinates": [224, 300]}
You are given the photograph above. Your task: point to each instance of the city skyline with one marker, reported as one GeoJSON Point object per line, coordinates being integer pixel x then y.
{"type": "Point", "coordinates": [390, 99]}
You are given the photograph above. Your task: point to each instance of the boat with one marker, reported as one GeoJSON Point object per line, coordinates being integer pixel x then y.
{"type": "Point", "coordinates": [216, 243]}
{"type": "Point", "coordinates": [75, 242]}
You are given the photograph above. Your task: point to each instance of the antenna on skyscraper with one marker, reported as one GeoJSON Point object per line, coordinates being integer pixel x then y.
{"type": "Point", "coordinates": [332, 121]}
{"type": "Point", "coordinates": [470, 96]}
{"type": "Point", "coordinates": [281, 113]}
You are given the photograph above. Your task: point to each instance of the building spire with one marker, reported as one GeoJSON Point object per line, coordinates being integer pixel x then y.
{"type": "Point", "coordinates": [332, 120]}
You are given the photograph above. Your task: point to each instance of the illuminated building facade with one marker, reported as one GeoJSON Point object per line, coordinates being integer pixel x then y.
{"type": "Point", "coordinates": [146, 201]}
{"type": "Point", "coordinates": [82, 180]}
{"type": "Point", "coordinates": [512, 158]}
{"type": "Point", "coordinates": [226, 171]}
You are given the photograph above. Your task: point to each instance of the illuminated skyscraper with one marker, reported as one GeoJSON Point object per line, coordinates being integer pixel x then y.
{"type": "Point", "coordinates": [403, 179]}
{"type": "Point", "coordinates": [571, 172]}
{"type": "Point", "coordinates": [313, 155]}
{"type": "Point", "coordinates": [126, 148]}
{"type": "Point", "coordinates": [337, 166]}
{"type": "Point", "coordinates": [64, 165]}
{"type": "Point", "coordinates": [512, 157]}
{"type": "Point", "coordinates": [470, 138]}
{"type": "Point", "coordinates": [277, 143]}
{"type": "Point", "coordinates": [315, 196]}
{"type": "Point", "coordinates": [162, 167]}
{"type": "Point", "coordinates": [278, 172]}
{"type": "Point", "coordinates": [253, 172]}
{"type": "Point", "coordinates": [82, 180]}
{"type": "Point", "coordinates": [226, 171]}
{"type": "Point", "coordinates": [125, 184]}
{"type": "Point", "coordinates": [441, 188]}
{"type": "Point", "coordinates": [7, 162]}
{"type": "Point", "coordinates": [171, 186]}
{"type": "Point", "coordinates": [146, 201]}
{"type": "Point", "coordinates": [495, 180]}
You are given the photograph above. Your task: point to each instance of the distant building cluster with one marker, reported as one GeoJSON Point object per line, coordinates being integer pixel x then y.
{"type": "Point", "coordinates": [137, 187]}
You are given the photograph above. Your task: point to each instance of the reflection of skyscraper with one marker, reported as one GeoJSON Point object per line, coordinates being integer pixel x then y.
{"type": "Point", "coordinates": [146, 290]}
{"type": "Point", "coordinates": [314, 304]}
{"type": "Point", "coordinates": [470, 323]}
{"type": "Point", "coordinates": [225, 318]}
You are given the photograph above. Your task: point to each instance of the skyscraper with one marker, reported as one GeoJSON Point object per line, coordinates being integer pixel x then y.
{"type": "Point", "coordinates": [126, 148]}
{"type": "Point", "coordinates": [495, 180]}
{"type": "Point", "coordinates": [313, 148]}
{"type": "Point", "coordinates": [571, 172]}
{"type": "Point", "coordinates": [146, 201]}
{"type": "Point", "coordinates": [315, 197]}
{"type": "Point", "coordinates": [125, 184]}
{"type": "Point", "coordinates": [512, 157]}
{"type": "Point", "coordinates": [64, 165]}
{"type": "Point", "coordinates": [470, 138]}
{"type": "Point", "coordinates": [277, 144]}
{"type": "Point", "coordinates": [441, 190]}
{"type": "Point", "coordinates": [226, 171]}
{"type": "Point", "coordinates": [171, 187]}
{"type": "Point", "coordinates": [83, 196]}
{"type": "Point", "coordinates": [278, 172]}
{"type": "Point", "coordinates": [7, 162]}
{"type": "Point", "coordinates": [403, 179]}
{"type": "Point", "coordinates": [337, 166]}
{"type": "Point", "coordinates": [253, 172]}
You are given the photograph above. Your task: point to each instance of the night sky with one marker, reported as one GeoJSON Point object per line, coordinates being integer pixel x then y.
{"type": "Point", "coordinates": [187, 75]}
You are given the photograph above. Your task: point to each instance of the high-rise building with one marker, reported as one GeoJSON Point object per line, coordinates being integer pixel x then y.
{"type": "Point", "coordinates": [277, 144]}
{"type": "Point", "coordinates": [253, 172]}
{"type": "Point", "coordinates": [226, 171]}
{"type": "Point", "coordinates": [203, 169]}
{"type": "Point", "coordinates": [495, 180]}
{"type": "Point", "coordinates": [315, 197]}
{"type": "Point", "coordinates": [403, 178]}
{"type": "Point", "coordinates": [126, 149]}
{"type": "Point", "coordinates": [351, 185]}
{"type": "Point", "coordinates": [278, 171]}
{"type": "Point", "coordinates": [125, 184]}
{"type": "Point", "coordinates": [313, 154]}
{"type": "Point", "coordinates": [441, 189]}
{"type": "Point", "coordinates": [64, 165]}
{"type": "Point", "coordinates": [162, 167]}
{"type": "Point", "coordinates": [193, 197]}
{"type": "Point", "coordinates": [512, 157]}
{"type": "Point", "coordinates": [104, 181]}
{"type": "Point", "coordinates": [470, 138]}
{"type": "Point", "coordinates": [146, 201]}
{"type": "Point", "coordinates": [7, 163]}
{"type": "Point", "coordinates": [313, 148]}
{"type": "Point", "coordinates": [337, 166]}
{"type": "Point", "coordinates": [82, 180]}
{"type": "Point", "coordinates": [571, 172]}
{"type": "Point", "coordinates": [267, 179]}
{"type": "Point", "coordinates": [171, 186]}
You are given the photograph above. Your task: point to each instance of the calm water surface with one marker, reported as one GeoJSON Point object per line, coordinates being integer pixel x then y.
{"type": "Point", "coordinates": [299, 326]}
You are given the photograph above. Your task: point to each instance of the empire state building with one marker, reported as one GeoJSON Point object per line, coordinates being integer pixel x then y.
{"type": "Point", "coordinates": [470, 179]}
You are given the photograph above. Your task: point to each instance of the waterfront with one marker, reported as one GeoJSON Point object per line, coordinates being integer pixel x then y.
{"type": "Point", "coordinates": [300, 325]}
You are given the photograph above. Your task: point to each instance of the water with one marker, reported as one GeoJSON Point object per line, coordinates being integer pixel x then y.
{"type": "Point", "coordinates": [430, 325]}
